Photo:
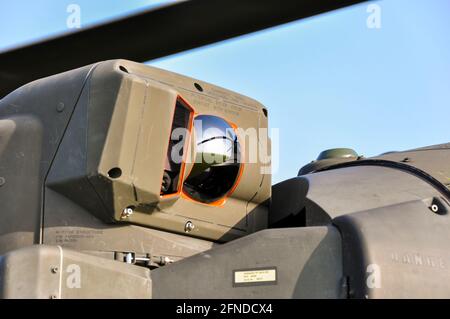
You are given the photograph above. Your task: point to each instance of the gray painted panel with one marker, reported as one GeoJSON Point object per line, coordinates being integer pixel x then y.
{"type": "Point", "coordinates": [308, 263]}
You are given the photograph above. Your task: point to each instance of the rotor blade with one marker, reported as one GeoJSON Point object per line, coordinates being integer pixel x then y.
{"type": "Point", "coordinates": [152, 34]}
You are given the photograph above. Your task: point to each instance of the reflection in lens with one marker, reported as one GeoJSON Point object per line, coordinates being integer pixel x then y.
{"type": "Point", "coordinates": [217, 160]}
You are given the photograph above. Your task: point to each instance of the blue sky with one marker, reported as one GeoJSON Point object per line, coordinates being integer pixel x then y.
{"type": "Point", "coordinates": [328, 81]}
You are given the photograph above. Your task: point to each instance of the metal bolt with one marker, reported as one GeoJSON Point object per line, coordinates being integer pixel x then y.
{"type": "Point", "coordinates": [60, 107]}
{"type": "Point", "coordinates": [189, 227]}
{"type": "Point", "coordinates": [2, 181]}
{"type": "Point", "coordinates": [127, 212]}
{"type": "Point", "coordinates": [54, 270]}
{"type": "Point", "coordinates": [434, 208]}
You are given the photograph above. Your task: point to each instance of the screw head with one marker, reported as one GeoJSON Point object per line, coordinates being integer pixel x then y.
{"type": "Point", "coordinates": [2, 181]}
{"type": "Point", "coordinates": [189, 227]}
{"type": "Point", "coordinates": [54, 269]}
{"type": "Point", "coordinates": [127, 212]}
{"type": "Point", "coordinates": [434, 208]}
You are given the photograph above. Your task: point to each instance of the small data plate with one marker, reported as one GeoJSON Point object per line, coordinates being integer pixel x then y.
{"type": "Point", "coordinates": [255, 277]}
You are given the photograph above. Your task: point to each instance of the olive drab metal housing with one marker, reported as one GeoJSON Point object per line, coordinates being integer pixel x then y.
{"type": "Point", "coordinates": [100, 140]}
{"type": "Point", "coordinates": [106, 191]}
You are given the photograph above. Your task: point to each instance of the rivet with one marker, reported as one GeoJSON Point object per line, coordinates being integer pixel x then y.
{"type": "Point", "coordinates": [60, 107]}
{"type": "Point", "coordinates": [2, 181]}
{"type": "Point", "coordinates": [54, 270]}
{"type": "Point", "coordinates": [406, 160]}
